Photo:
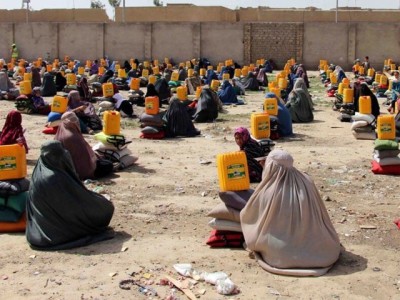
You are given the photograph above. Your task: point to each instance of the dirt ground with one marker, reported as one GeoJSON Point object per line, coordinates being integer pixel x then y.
{"type": "Point", "coordinates": [160, 218]}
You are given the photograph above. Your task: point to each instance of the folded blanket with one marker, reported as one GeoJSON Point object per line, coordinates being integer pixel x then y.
{"type": "Point", "coordinates": [386, 145]}
{"type": "Point", "coordinates": [13, 187]}
{"type": "Point", "coordinates": [388, 161]}
{"type": "Point", "coordinates": [363, 117]}
{"type": "Point", "coordinates": [386, 153]}
{"type": "Point", "coordinates": [364, 135]}
{"type": "Point", "coordinates": [358, 124]}
{"type": "Point", "coordinates": [225, 225]}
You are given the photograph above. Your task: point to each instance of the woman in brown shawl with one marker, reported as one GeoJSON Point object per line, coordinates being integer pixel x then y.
{"type": "Point", "coordinates": [86, 162]}
{"type": "Point", "coordinates": [286, 223]}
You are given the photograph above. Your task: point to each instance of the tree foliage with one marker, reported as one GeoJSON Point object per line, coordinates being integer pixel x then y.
{"type": "Point", "coordinates": [96, 4]}
{"type": "Point", "coordinates": [158, 3]}
{"type": "Point", "coordinates": [114, 3]}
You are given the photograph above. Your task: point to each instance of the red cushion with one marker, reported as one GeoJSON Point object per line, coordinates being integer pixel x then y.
{"type": "Point", "coordinates": [50, 130]}
{"type": "Point", "coordinates": [225, 238]}
{"type": "Point", "coordinates": [155, 136]}
{"type": "Point", "coordinates": [388, 170]}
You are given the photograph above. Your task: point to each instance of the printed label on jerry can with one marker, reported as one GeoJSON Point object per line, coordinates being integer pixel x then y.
{"type": "Point", "coordinates": [149, 105]}
{"type": "Point", "coordinates": [8, 163]}
{"type": "Point", "coordinates": [236, 171]}
{"type": "Point", "coordinates": [263, 126]}
{"type": "Point", "coordinates": [386, 127]}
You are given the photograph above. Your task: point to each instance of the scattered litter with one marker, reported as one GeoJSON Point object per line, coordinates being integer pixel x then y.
{"type": "Point", "coordinates": [36, 273]}
{"type": "Point", "coordinates": [376, 269]}
{"type": "Point", "coordinates": [4, 277]}
{"type": "Point", "coordinates": [147, 275]}
{"type": "Point", "coordinates": [203, 194]}
{"type": "Point", "coordinates": [214, 277]}
{"type": "Point", "coordinates": [226, 287]}
{"type": "Point", "coordinates": [205, 162]}
{"type": "Point", "coordinates": [368, 227]}
{"type": "Point", "coordinates": [126, 285]}
{"type": "Point", "coordinates": [274, 292]}
{"type": "Point", "coordinates": [343, 220]}
{"type": "Point", "coordinates": [124, 249]}
{"type": "Point", "coordinates": [32, 256]}
{"type": "Point", "coordinates": [112, 274]}
{"type": "Point", "coordinates": [326, 198]}
{"type": "Point", "coordinates": [184, 269]}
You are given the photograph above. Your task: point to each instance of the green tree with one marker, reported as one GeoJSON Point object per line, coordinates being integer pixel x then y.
{"type": "Point", "coordinates": [96, 4]}
{"type": "Point", "coordinates": [158, 3]}
{"type": "Point", "coordinates": [114, 4]}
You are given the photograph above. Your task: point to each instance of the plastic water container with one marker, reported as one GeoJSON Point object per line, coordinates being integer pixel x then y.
{"type": "Point", "coordinates": [390, 87]}
{"type": "Point", "coordinates": [378, 77]}
{"type": "Point", "coordinates": [135, 84]}
{"type": "Point", "coordinates": [262, 61]}
{"type": "Point", "coordinates": [181, 92]}
{"type": "Point", "coordinates": [152, 79]}
{"type": "Point", "coordinates": [117, 67]}
{"type": "Point", "coordinates": [386, 62]}
{"type": "Point", "coordinates": [219, 69]}
{"type": "Point", "coordinates": [169, 66]}
{"type": "Point", "coordinates": [190, 72]}
{"type": "Point", "coordinates": [393, 66]}
{"type": "Point", "coordinates": [333, 78]}
{"type": "Point", "coordinates": [282, 83]}
{"type": "Point", "coordinates": [25, 87]}
{"type": "Point", "coordinates": [272, 84]}
{"type": "Point", "coordinates": [348, 95]}
{"type": "Point", "coordinates": [364, 105]}
{"type": "Point", "coordinates": [258, 62]}
{"type": "Point", "coordinates": [341, 87]}
{"type": "Point", "coordinates": [28, 77]}
{"type": "Point", "coordinates": [203, 72]}
{"type": "Point", "coordinates": [245, 71]}
{"type": "Point", "coordinates": [276, 91]}
{"type": "Point", "coordinates": [134, 66]}
{"type": "Point", "coordinates": [71, 79]}
{"type": "Point", "coordinates": [101, 70]}
{"type": "Point", "coordinates": [198, 91]}
{"type": "Point", "coordinates": [155, 63]}
{"type": "Point", "coordinates": [210, 68]}
{"type": "Point", "coordinates": [121, 73]}
{"type": "Point", "coordinates": [233, 171]}
{"type": "Point", "coordinates": [59, 104]}
{"type": "Point", "coordinates": [225, 76]}
{"type": "Point", "coordinates": [238, 72]}
{"type": "Point", "coordinates": [156, 70]}
{"type": "Point", "coordinates": [81, 70]}
{"type": "Point", "coordinates": [386, 127]}
{"type": "Point", "coordinates": [112, 122]}
{"type": "Point", "coordinates": [151, 105]}
{"type": "Point", "coordinates": [227, 63]}
{"type": "Point", "coordinates": [383, 80]}
{"type": "Point", "coordinates": [260, 125]}
{"type": "Point", "coordinates": [361, 70]}
{"type": "Point", "coordinates": [166, 60]}
{"type": "Point", "coordinates": [145, 73]}
{"type": "Point", "coordinates": [12, 162]}
{"type": "Point", "coordinates": [271, 106]}
{"type": "Point", "coordinates": [102, 62]}
{"type": "Point", "coordinates": [174, 76]}
{"type": "Point", "coordinates": [108, 89]}
{"type": "Point", "coordinates": [182, 64]}
{"type": "Point", "coordinates": [215, 84]}
{"type": "Point", "coordinates": [371, 72]}
{"type": "Point", "coordinates": [188, 64]}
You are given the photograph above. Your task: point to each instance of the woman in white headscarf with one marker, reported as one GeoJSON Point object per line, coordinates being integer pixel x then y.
{"type": "Point", "coordinates": [286, 223]}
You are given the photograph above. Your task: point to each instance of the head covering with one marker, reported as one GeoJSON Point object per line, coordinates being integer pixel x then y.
{"type": "Point", "coordinates": [286, 223]}
{"type": "Point", "coordinates": [49, 87]}
{"type": "Point", "coordinates": [71, 138]}
{"type": "Point", "coordinates": [365, 91]}
{"type": "Point", "coordinates": [227, 93]}
{"type": "Point", "coordinates": [151, 90]}
{"type": "Point", "coordinates": [5, 82]}
{"type": "Point", "coordinates": [244, 133]}
{"type": "Point", "coordinates": [207, 106]}
{"type": "Point", "coordinates": [83, 88]}
{"type": "Point", "coordinates": [74, 100]}
{"type": "Point", "coordinates": [12, 132]}
{"type": "Point", "coordinates": [61, 212]}
{"type": "Point", "coordinates": [106, 76]}
{"type": "Point", "coordinates": [299, 103]}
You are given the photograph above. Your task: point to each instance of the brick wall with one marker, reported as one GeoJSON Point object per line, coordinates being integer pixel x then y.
{"type": "Point", "coordinates": [277, 41]}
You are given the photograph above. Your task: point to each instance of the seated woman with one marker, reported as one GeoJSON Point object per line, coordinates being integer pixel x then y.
{"type": "Point", "coordinates": [48, 87]}
{"type": "Point", "coordinates": [340, 75]}
{"type": "Point", "coordinates": [301, 72]}
{"type": "Point", "coordinates": [365, 91]}
{"type": "Point", "coordinates": [284, 119]}
{"type": "Point", "coordinates": [61, 212]}
{"type": "Point", "coordinates": [208, 106]}
{"type": "Point", "coordinates": [178, 120]}
{"type": "Point", "coordinates": [122, 105]}
{"type": "Point", "coordinates": [299, 105]}
{"type": "Point", "coordinates": [253, 150]}
{"type": "Point", "coordinates": [286, 223]}
{"type": "Point", "coordinates": [61, 81]}
{"type": "Point", "coordinates": [250, 82]}
{"type": "Point", "coordinates": [238, 87]}
{"type": "Point", "coordinates": [83, 89]}
{"type": "Point", "coordinates": [6, 87]}
{"type": "Point", "coordinates": [85, 111]}
{"type": "Point", "coordinates": [192, 83]}
{"type": "Point", "coordinates": [262, 77]}
{"type": "Point", "coordinates": [39, 105]}
{"type": "Point", "coordinates": [36, 79]}
{"type": "Point", "coordinates": [227, 94]}
{"type": "Point", "coordinates": [106, 77]}
{"type": "Point", "coordinates": [163, 90]}
{"type": "Point", "coordinates": [86, 162]}
{"type": "Point", "coordinates": [12, 132]}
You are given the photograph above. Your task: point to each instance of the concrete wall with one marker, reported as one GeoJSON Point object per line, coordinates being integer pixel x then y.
{"type": "Point", "coordinates": [80, 41]}
{"type": "Point", "coordinates": [308, 42]}
{"type": "Point", "coordinates": [222, 41]}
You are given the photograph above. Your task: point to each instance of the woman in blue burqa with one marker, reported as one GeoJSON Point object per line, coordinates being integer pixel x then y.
{"type": "Point", "coordinates": [61, 212]}
{"type": "Point", "coordinates": [284, 119]}
{"type": "Point", "coordinates": [227, 93]}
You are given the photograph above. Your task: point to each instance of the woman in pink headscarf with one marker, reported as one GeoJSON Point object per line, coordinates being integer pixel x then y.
{"type": "Point", "coordinates": [253, 150]}
{"type": "Point", "coordinates": [12, 132]}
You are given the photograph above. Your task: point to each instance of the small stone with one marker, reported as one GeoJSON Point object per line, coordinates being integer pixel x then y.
{"type": "Point", "coordinates": [368, 227]}
{"type": "Point", "coordinates": [112, 274]}
{"type": "Point", "coordinates": [201, 292]}
{"type": "Point", "coordinates": [376, 269]}
{"type": "Point", "coordinates": [124, 249]}
{"type": "Point", "coordinates": [326, 198]}
{"type": "Point", "coordinates": [32, 256]}
{"type": "Point", "coordinates": [36, 273]}
{"type": "Point", "coordinates": [4, 277]}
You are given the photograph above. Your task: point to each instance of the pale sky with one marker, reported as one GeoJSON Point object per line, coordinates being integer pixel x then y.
{"type": "Point", "coordinates": [323, 4]}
